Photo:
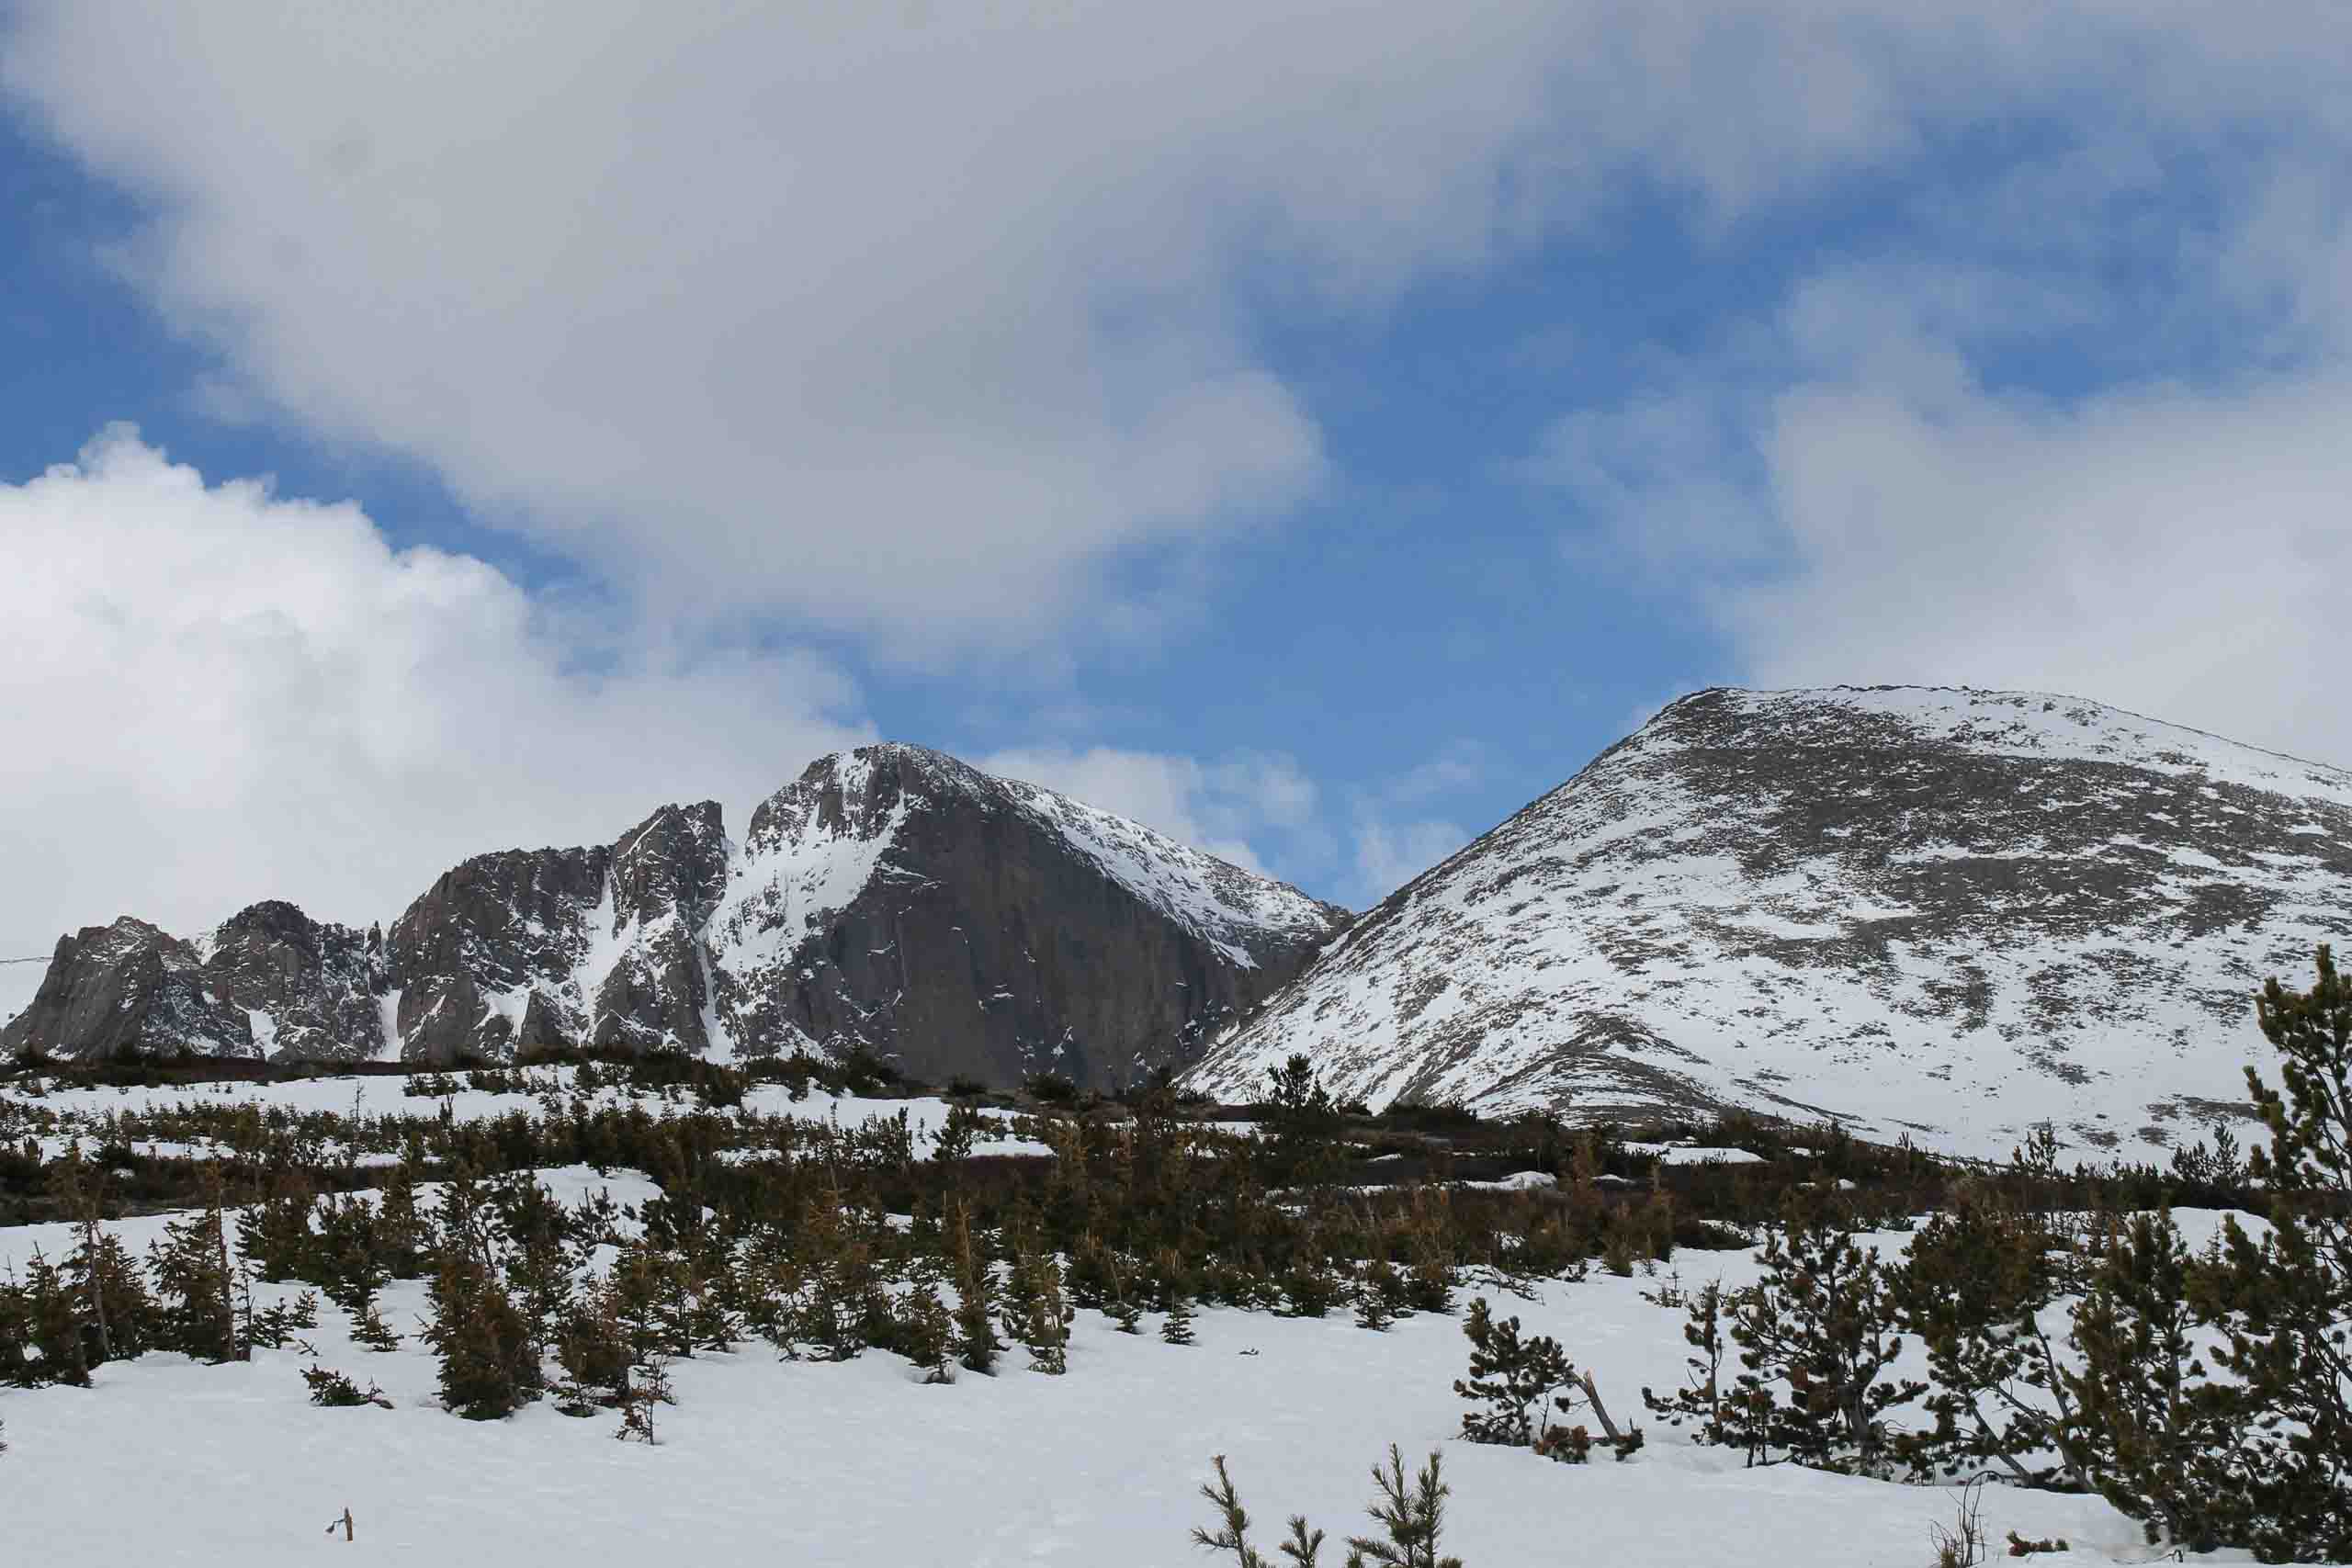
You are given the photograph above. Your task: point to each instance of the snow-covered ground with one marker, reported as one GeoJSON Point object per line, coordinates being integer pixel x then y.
{"type": "Point", "coordinates": [767, 1461]}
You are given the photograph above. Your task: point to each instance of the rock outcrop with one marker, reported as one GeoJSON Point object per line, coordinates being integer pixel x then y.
{"type": "Point", "coordinates": [309, 992]}
{"type": "Point", "coordinates": [127, 988]}
{"type": "Point", "coordinates": [897, 899]}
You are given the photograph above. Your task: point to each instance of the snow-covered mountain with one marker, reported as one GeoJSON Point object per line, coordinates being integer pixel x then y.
{"type": "Point", "coordinates": [890, 897]}
{"type": "Point", "coordinates": [894, 897]}
{"type": "Point", "coordinates": [1947, 913]}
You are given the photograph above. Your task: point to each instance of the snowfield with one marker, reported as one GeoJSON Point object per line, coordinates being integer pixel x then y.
{"type": "Point", "coordinates": [769, 1462]}
{"type": "Point", "coordinates": [763, 1461]}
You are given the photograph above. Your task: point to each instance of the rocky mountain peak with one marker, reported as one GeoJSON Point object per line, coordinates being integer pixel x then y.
{"type": "Point", "coordinates": [891, 899]}
{"type": "Point", "coordinates": [1946, 912]}
{"type": "Point", "coordinates": [894, 897]}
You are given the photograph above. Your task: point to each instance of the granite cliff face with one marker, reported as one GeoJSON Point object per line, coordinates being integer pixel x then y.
{"type": "Point", "coordinates": [1952, 914]}
{"type": "Point", "coordinates": [895, 898]}
{"type": "Point", "coordinates": [306, 991]}
{"type": "Point", "coordinates": [891, 899]}
{"type": "Point", "coordinates": [126, 989]}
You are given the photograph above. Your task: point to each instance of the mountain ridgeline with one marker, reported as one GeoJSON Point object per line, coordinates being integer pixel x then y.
{"type": "Point", "coordinates": [891, 899]}
{"type": "Point", "coordinates": [1949, 915]}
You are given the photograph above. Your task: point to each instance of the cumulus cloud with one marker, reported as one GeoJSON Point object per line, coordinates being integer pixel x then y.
{"type": "Point", "coordinates": [216, 695]}
{"type": "Point", "coordinates": [926, 321]}
{"type": "Point", "coordinates": [2171, 551]}
{"type": "Point", "coordinates": [1864, 505]}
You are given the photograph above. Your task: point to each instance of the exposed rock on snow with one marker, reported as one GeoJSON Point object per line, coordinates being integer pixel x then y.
{"type": "Point", "coordinates": [1947, 913]}
{"type": "Point", "coordinates": [891, 899]}
{"type": "Point", "coordinates": [127, 987]}
{"type": "Point", "coordinates": [895, 897]}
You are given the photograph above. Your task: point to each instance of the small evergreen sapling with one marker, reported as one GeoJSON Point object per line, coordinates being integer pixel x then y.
{"type": "Point", "coordinates": [1044, 1326]}
{"type": "Point", "coordinates": [55, 1328]}
{"type": "Point", "coordinates": [977, 1346]}
{"type": "Point", "coordinates": [926, 1333]}
{"type": "Point", "coordinates": [1411, 1515]}
{"type": "Point", "coordinates": [1510, 1377]}
{"type": "Point", "coordinates": [1411, 1518]}
{"type": "Point", "coordinates": [1177, 1327]}
{"type": "Point", "coordinates": [1973, 1289]}
{"type": "Point", "coordinates": [1232, 1533]}
{"type": "Point", "coordinates": [651, 1389]}
{"type": "Point", "coordinates": [335, 1391]}
{"type": "Point", "coordinates": [1701, 1399]}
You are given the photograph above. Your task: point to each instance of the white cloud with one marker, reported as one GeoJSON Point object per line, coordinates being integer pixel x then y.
{"type": "Point", "coordinates": [2179, 553]}
{"type": "Point", "coordinates": [1883, 512]}
{"type": "Point", "coordinates": [1389, 854]}
{"type": "Point", "coordinates": [213, 694]}
{"type": "Point", "coordinates": [915, 320]}
{"type": "Point", "coordinates": [1228, 807]}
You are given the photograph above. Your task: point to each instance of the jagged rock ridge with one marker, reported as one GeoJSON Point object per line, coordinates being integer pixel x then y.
{"type": "Point", "coordinates": [891, 899]}
{"type": "Point", "coordinates": [1947, 913]}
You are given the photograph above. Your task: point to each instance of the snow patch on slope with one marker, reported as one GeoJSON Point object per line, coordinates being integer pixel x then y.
{"type": "Point", "coordinates": [1945, 913]}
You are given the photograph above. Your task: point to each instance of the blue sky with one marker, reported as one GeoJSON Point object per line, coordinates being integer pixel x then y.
{"type": "Point", "coordinates": [1314, 430]}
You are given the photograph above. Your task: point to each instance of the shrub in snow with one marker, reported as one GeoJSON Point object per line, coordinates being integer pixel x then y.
{"type": "Point", "coordinates": [1411, 1516]}
{"type": "Point", "coordinates": [196, 1312]}
{"type": "Point", "coordinates": [1701, 1399]}
{"type": "Point", "coordinates": [337, 1392]}
{"type": "Point", "coordinates": [1510, 1378]}
{"type": "Point", "coordinates": [1820, 1323]}
{"type": "Point", "coordinates": [926, 1334]}
{"type": "Point", "coordinates": [1519, 1383]}
{"type": "Point", "coordinates": [1973, 1289]}
{"type": "Point", "coordinates": [1177, 1328]}
{"type": "Point", "coordinates": [2288, 1299]}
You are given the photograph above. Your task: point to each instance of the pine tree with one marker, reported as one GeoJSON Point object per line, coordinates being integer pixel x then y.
{"type": "Point", "coordinates": [368, 1328]}
{"type": "Point", "coordinates": [99, 1268]}
{"type": "Point", "coordinates": [639, 1401]}
{"type": "Point", "coordinates": [927, 1333]}
{"type": "Point", "coordinates": [1701, 1398]}
{"type": "Point", "coordinates": [274, 1235]}
{"type": "Point", "coordinates": [1044, 1326]}
{"type": "Point", "coordinates": [114, 1287]}
{"type": "Point", "coordinates": [1972, 1290]}
{"type": "Point", "coordinates": [1232, 1534]}
{"type": "Point", "coordinates": [1510, 1377]}
{"type": "Point", "coordinates": [1177, 1327]}
{"type": "Point", "coordinates": [489, 1367]}
{"type": "Point", "coordinates": [2156, 1432]}
{"type": "Point", "coordinates": [977, 1346]}
{"type": "Point", "coordinates": [2288, 1299]}
{"type": "Point", "coordinates": [594, 1355]}
{"type": "Point", "coordinates": [195, 1312]}
{"type": "Point", "coordinates": [55, 1327]}
{"type": "Point", "coordinates": [349, 1254]}
{"type": "Point", "coordinates": [17, 1366]}
{"type": "Point", "coordinates": [1821, 1321]}
{"type": "Point", "coordinates": [402, 1237]}
{"type": "Point", "coordinates": [1411, 1518]}
{"type": "Point", "coordinates": [335, 1391]}
{"type": "Point", "coordinates": [1379, 1294]}
{"type": "Point", "coordinates": [490, 1361]}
